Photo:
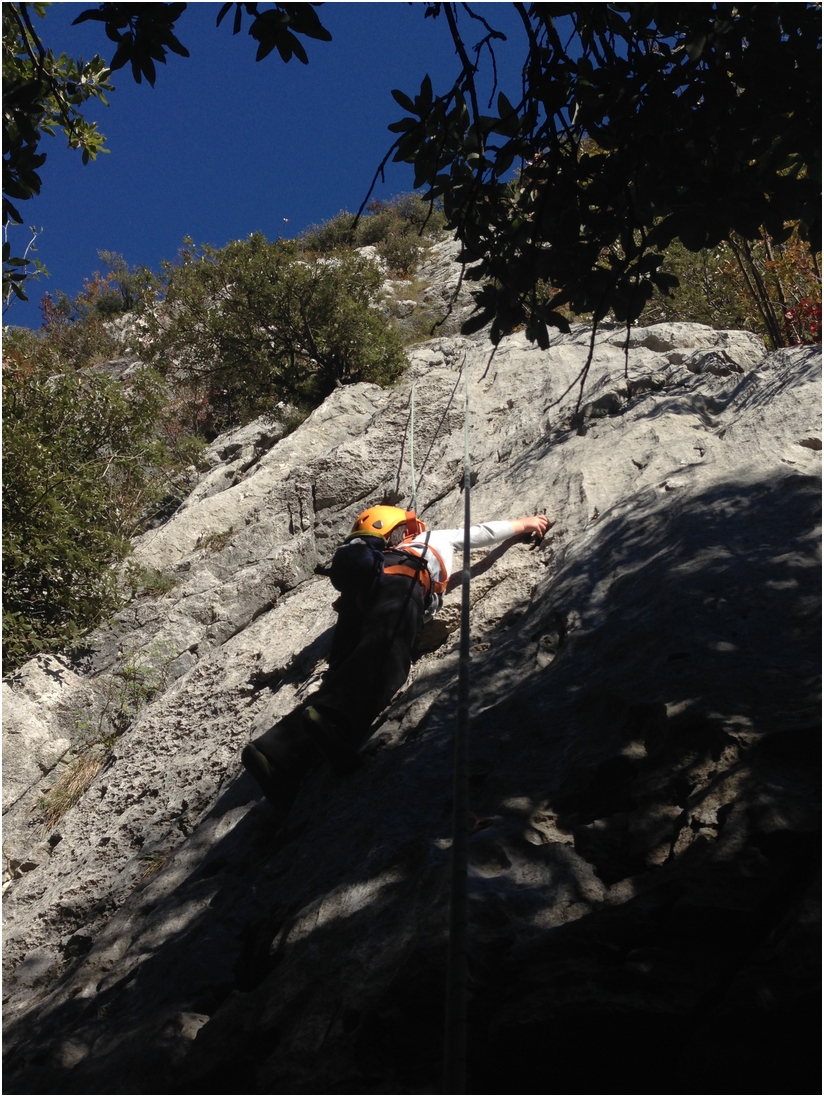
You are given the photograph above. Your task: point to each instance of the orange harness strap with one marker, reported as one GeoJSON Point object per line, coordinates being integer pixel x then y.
{"type": "Point", "coordinates": [421, 574]}
{"type": "Point", "coordinates": [421, 571]}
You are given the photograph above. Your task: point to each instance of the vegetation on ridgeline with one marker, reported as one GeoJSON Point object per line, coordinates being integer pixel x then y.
{"type": "Point", "coordinates": [398, 230]}
{"type": "Point", "coordinates": [770, 288]}
{"type": "Point", "coordinates": [253, 325]}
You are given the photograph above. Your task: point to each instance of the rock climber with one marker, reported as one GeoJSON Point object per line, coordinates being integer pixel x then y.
{"type": "Point", "coordinates": [391, 572]}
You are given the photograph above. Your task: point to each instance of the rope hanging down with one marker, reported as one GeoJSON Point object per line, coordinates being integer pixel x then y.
{"type": "Point", "coordinates": [457, 975]}
{"type": "Point", "coordinates": [432, 440]}
{"type": "Point", "coordinates": [457, 964]}
{"type": "Point", "coordinates": [412, 447]}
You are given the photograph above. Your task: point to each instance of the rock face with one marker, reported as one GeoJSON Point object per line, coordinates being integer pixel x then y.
{"type": "Point", "coordinates": [645, 730]}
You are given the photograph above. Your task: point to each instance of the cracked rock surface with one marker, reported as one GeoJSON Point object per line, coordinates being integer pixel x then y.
{"type": "Point", "coordinates": [645, 732]}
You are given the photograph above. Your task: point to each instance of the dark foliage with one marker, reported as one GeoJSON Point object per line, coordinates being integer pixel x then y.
{"type": "Point", "coordinates": [82, 462]}
{"type": "Point", "coordinates": [638, 125]}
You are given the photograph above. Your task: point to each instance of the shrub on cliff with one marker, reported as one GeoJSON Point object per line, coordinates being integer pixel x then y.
{"type": "Point", "coordinates": [76, 329]}
{"type": "Point", "coordinates": [396, 229]}
{"type": "Point", "coordinates": [83, 463]}
{"type": "Point", "coordinates": [253, 324]}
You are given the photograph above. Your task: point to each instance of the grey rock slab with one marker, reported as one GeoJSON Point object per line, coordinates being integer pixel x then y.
{"type": "Point", "coordinates": [346, 412]}
{"type": "Point", "coordinates": [42, 704]}
{"type": "Point", "coordinates": [233, 454]}
{"type": "Point", "coordinates": [676, 339]}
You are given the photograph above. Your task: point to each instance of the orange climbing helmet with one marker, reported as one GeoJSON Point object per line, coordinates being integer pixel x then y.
{"type": "Point", "coordinates": [380, 521]}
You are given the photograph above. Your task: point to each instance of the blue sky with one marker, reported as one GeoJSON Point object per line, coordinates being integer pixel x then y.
{"type": "Point", "coordinates": [223, 146]}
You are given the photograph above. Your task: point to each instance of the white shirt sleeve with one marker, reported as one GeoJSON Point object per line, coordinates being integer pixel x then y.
{"type": "Point", "coordinates": [446, 541]}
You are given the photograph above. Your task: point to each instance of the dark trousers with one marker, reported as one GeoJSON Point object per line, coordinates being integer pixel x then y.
{"type": "Point", "coordinates": [369, 661]}
{"type": "Point", "coordinates": [371, 654]}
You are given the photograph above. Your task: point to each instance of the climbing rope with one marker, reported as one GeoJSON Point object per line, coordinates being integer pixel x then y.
{"type": "Point", "coordinates": [412, 447]}
{"type": "Point", "coordinates": [434, 437]}
{"type": "Point", "coordinates": [457, 976]}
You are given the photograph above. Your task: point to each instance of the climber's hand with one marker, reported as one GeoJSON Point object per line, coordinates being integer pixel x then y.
{"type": "Point", "coordinates": [537, 524]}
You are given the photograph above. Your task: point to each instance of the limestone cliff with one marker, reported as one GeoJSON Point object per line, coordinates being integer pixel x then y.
{"type": "Point", "coordinates": [645, 729]}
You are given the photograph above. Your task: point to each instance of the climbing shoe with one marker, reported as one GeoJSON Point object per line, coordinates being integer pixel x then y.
{"type": "Point", "coordinates": [327, 738]}
{"type": "Point", "coordinates": [279, 786]}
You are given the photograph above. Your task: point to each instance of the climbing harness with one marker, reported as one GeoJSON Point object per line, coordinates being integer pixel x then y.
{"type": "Point", "coordinates": [457, 976]}
{"type": "Point", "coordinates": [400, 562]}
{"type": "Point", "coordinates": [412, 563]}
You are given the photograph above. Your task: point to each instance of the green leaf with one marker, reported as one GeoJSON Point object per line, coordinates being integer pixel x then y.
{"type": "Point", "coordinates": [121, 56]}
{"type": "Point", "coordinates": [403, 100]}
{"type": "Point", "coordinates": [264, 49]}
{"type": "Point", "coordinates": [299, 51]}
{"type": "Point", "coordinates": [176, 47]}
{"type": "Point", "coordinates": [505, 108]}
{"type": "Point", "coordinates": [424, 101]}
{"type": "Point", "coordinates": [90, 13]}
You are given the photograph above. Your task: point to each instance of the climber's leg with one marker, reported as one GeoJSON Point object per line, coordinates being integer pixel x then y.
{"type": "Point", "coordinates": [331, 737]}
{"type": "Point", "coordinates": [280, 759]}
{"type": "Point", "coordinates": [372, 662]}
{"type": "Point", "coordinates": [356, 689]}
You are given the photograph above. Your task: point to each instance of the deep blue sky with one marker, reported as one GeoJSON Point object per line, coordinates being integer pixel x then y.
{"type": "Point", "coordinates": [223, 146]}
